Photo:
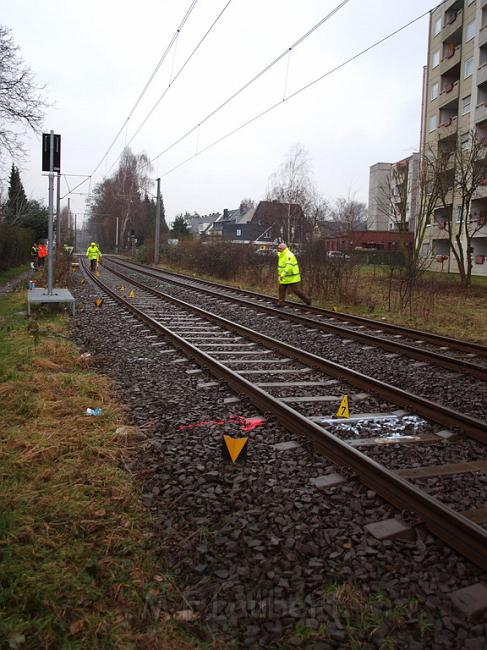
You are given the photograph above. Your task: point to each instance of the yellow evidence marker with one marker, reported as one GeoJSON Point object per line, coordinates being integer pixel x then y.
{"type": "Point", "coordinates": [132, 294]}
{"type": "Point", "coordinates": [97, 273]}
{"type": "Point", "coordinates": [122, 288]}
{"type": "Point", "coordinates": [334, 308]}
{"type": "Point", "coordinates": [233, 447]}
{"type": "Point", "coordinates": [99, 302]}
{"type": "Point", "coordinates": [343, 411]}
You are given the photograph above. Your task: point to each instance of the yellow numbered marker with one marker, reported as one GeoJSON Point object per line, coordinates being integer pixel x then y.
{"type": "Point", "coordinates": [122, 288]}
{"type": "Point", "coordinates": [132, 294]}
{"type": "Point", "coordinates": [343, 411]}
{"type": "Point", "coordinates": [334, 308]}
{"type": "Point", "coordinates": [97, 273]}
{"type": "Point", "coordinates": [99, 302]}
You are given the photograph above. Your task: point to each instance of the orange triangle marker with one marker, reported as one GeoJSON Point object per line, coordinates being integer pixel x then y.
{"type": "Point", "coordinates": [234, 446]}
{"type": "Point", "coordinates": [99, 302]}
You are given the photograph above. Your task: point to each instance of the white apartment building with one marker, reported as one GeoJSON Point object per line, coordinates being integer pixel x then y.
{"type": "Point", "coordinates": [454, 105]}
{"type": "Point", "coordinates": [384, 191]}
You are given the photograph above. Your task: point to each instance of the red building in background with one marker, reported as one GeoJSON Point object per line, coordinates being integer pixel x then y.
{"type": "Point", "coordinates": [381, 240]}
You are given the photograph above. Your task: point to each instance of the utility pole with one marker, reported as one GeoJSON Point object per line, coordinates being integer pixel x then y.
{"type": "Point", "coordinates": [69, 220]}
{"type": "Point", "coordinates": [50, 247]}
{"type": "Point", "coordinates": [58, 213]}
{"type": "Point", "coordinates": [116, 238]}
{"type": "Point", "coordinates": [74, 249]}
{"type": "Point", "coordinates": [157, 236]}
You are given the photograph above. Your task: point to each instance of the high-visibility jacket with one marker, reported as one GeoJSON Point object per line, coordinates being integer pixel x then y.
{"type": "Point", "coordinates": [287, 267]}
{"type": "Point", "coordinates": [93, 253]}
{"type": "Point", "coordinates": [42, 251]}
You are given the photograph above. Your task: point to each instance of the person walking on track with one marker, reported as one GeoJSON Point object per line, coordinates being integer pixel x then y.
{"type": "Point", "coordinates": [289, 276]}
{"type": "Point", "coordinates": [93, 253]}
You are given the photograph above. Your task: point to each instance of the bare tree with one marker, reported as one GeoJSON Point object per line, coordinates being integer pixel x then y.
{"type": "Point", "coordinates": [120, 197]}
{"type": "Point", "coordinates": [292, 184]}
{"type": "Point", "coordinates": [393, 202]}
{"type": "Point", "coordinates": [463, 179]}
{"type": "Point", "coordinates": [349, 214]}
{"type": "Point", "coordinates": [21, 101]}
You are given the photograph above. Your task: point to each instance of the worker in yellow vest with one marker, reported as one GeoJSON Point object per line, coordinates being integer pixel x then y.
{"type": "Point", "coordinates": [289, 276]}
{"type": "Point", "coordinates": [93, 253]}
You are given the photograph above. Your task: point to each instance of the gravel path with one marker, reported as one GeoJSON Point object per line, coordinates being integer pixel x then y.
{"type": "Point", "coordinates": [260, 554]}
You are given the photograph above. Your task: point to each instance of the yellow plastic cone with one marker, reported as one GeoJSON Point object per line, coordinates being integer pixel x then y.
{"type": "Point", "coordinates": [132, 294]}
{"type": "Point", "coordinates": [343, 411]}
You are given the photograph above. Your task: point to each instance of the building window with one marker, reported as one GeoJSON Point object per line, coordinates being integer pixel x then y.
{"type": "Point", "coordinates": [464, 141]}
{"type": "Point", "coordinates": [466, 103]}
{"type": "Point", "coordinates": [436, 59]}
{"type": "Point", "coordinates": [239, 232]}
{"type": "Point", "coordinates": [468, 68]}
{"type": "Point", "coordinates": [437, 26]}
{"type": "Point", "coordinates": [432, 123]}
{"type": "Point", "coordinates": [470, 31]}
{"type": "Point", "coordinates": [426, 250]}
{"type": "Point", "coordinates": [434, 90]}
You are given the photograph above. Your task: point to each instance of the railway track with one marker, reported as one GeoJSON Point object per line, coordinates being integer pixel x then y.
{"type": "Point", "coordinates": [240, 356]}
{"type": "Point", "coordinates": [341, 325]}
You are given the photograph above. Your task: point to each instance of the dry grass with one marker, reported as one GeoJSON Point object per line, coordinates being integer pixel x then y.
{"type": "Point", "coordinates": [79, 566]}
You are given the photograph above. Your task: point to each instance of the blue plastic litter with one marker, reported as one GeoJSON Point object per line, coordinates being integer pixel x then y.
{"type": "Point", "coordinates": [97, 411]}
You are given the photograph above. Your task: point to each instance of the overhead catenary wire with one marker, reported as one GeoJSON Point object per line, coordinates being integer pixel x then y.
{"type": "Point", "coordinates": [270, 65]}
{"type": "Point", "coordinates": [148, 82]}
{"type": "Point", "coordinates": [172, 80]}
{"type": "Point", "coordinates": [294, 94]}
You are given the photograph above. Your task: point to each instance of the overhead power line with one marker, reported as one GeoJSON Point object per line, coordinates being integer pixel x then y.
{"type": "Point", "coordinates": [149, 81]}
{"type": "Point", "coordinates": [173, 79]}
{"type": "Point", "coordinates": [297, 92]}
{"type": "Point", "coordinates": [254, 78]}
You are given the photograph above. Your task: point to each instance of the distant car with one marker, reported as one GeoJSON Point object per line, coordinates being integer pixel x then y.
{"type": "Point", "coordinates": [337, 255]}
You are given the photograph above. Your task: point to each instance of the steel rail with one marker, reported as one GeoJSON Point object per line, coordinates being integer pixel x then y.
{"type": "Point", "coordinates": [430, 337]}
{"type": "Point", "coordinates": [430, 410]}
{"type": "Point", "coordinates": [454, 529]}
{"type": "Point", "coordinates": [455, 365]}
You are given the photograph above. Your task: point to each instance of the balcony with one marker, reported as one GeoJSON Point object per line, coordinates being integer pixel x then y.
{"type": "Point", "coordinates": [450, 93]}
{"type": "Point", "coordinates": [483, 35]}
{"type": "Point", "coordinates": [452, 24]}
{"type": "Point", "coordinates": [482, 74]}
{"type": "Point", "coordinates": [448, 127]}
{"type": "Point", "coordinates": [451, 59]}
{"type": "Point", "coordinates": [481, 112]}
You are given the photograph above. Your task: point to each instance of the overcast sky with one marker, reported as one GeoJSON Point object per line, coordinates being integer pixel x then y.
{"type": "Point", "coordinates": [96, 56]}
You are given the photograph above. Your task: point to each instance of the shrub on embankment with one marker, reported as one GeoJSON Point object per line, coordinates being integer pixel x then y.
{"type": "Point", "coordinates": [325, 279]}
{"type": "Point", "coordinates": [15, 245]}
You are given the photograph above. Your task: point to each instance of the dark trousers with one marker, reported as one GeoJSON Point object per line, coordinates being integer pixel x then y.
{"type": "Point", "coordinates": [294, 288]}
{"type": "Point", "coordinates": [93, 265]}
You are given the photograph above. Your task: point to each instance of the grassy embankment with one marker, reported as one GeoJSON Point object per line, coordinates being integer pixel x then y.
{"type": "Point", "coordinates": [78, 559]}
{"type": "Point", "coordinates": [440, 305]}
{"type": "Point", "coordinates": [7, 275]}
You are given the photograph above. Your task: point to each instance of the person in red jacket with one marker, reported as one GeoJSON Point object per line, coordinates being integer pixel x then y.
{"type": "Point", "coordinates": [41, 255]}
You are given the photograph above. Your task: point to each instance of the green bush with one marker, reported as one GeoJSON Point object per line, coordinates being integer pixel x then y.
{"type": "Point", "coordinates": [15, 245]}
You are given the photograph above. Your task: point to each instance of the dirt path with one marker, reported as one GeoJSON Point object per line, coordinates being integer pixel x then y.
{"type": "Point", "coordinates": [13, 283]}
